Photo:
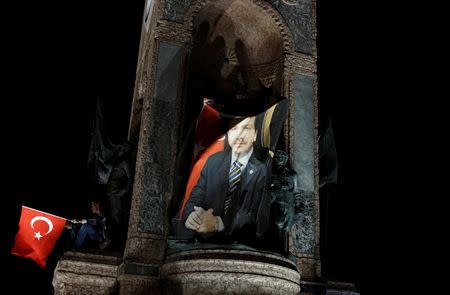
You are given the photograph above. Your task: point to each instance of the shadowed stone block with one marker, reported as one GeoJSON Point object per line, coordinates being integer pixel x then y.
{"type": "Point", "coordinates": [341, 292]}
{"type": "Point", "coordinates": [304, 131]}
{"type": "Point", "coordinates": [229, 272]}
{"type": "Point", "coordinates": [85, 274]}
{"type": "Point", "coordinates": [341, 288]}
{"type": "Point", "coordinates": [137, 279]}
{"type": "Point", "coordinates": [157, 173]}
{"type": "Point", "coordinates": [304, 236]}
{"type": "Point", "coordinates": [313, 288]}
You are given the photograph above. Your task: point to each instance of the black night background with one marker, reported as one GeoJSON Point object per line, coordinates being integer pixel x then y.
{"type": "Point", "coordinates": [61, 56]}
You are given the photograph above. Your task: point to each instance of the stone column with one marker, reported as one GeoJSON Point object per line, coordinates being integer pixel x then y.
{"type": "Point", "coordinates": [157, 151]}
{"type": "Point", "coordinates": [229, 271]}
{"type": "Point", "coordinates": [302, 136]}
{"type": "Point", "coordinates": [305, 236]}
{"type": "Point", "coordinates": [155, 115]}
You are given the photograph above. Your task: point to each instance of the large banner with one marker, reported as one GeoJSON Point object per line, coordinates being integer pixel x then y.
{"type": "Point", "coordinates": [226, 198]}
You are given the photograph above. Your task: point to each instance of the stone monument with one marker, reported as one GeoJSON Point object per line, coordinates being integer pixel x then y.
{"type": "Point", "coordinates": [190, 49]}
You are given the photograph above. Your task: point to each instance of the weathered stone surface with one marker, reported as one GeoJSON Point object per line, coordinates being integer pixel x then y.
{"type": "Point", "coordinates": [301, 63]}
{"type": "Point", "coordinates": [227, 283]}
{"type": "Point", "coordinates": [138, 278]}
{"type": "Point", "coordinates": [299, 20]}
{"type": "Point", "coordinates": [84, 274]}
{"type": "Point", "coordinates": [145, 249]}
{"type": "Point", "coordinates": [139, 285]}
{"type": "Point", "coordinates": [224, 274]}
{"type": "Point", "coordinates": [172, 31]}
{"type": "Point", "coordinates": [309, 267]}
{"type": "Point", "coordinates": [302, 237]}
{"type": "Point", "coordinates": [174, 10]}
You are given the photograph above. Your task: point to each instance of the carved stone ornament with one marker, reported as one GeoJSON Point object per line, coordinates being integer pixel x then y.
{"type": "Point", "coordinates": [291, 2]}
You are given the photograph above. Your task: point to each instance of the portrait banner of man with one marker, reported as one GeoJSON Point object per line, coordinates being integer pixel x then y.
{"type": "Point", "coordinates": [226, 197]}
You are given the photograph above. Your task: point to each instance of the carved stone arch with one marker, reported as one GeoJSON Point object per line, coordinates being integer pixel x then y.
{"type": "Point", "coordinates": [288, 40]}
{"type": "Point", "coordinates": [241, 21]}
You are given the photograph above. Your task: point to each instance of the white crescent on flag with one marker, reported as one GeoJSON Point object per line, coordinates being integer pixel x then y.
{"type": "Point", "coordinates": [45, 219]}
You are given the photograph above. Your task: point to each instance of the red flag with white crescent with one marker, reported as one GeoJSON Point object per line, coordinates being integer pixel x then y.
{"type": "Point", "coordinates": [37, 235]}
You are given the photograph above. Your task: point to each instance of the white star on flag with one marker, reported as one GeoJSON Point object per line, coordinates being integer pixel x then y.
{"type": "Point", "coordinates": [38, 235]}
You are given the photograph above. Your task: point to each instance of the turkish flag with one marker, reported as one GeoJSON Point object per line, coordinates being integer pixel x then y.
{"type": "Point", "coordinates": [37, 235]}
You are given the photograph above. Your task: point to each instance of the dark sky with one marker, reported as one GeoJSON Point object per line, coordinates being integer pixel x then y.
{"type": "Point", "coordinates": [61, 56]}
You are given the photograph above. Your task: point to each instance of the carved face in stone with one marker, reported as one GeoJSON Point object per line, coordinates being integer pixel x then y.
{"type": "Point", "coordinates": [280, 158]}
{"type": "Point", "coordinates": [241, 136]}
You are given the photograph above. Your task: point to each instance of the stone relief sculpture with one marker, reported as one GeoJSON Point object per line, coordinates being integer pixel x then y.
{"type": "Point", "coordinates": [109, 167]}
{"type": "Point", "coordinates": [287, 203]}
{"type": "Point", "coordinates": [118, 190]}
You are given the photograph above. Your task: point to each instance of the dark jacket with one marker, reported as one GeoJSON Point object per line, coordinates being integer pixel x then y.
{"type": "Point", "coordinates": [98, 221]}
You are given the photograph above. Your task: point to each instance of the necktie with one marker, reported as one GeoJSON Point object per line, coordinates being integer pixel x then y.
{"type": "Point", "coordinates": [233, 181]}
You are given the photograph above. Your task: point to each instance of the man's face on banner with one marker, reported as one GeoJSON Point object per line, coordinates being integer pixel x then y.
{"type": "Point", "coordinates": [242, 135]}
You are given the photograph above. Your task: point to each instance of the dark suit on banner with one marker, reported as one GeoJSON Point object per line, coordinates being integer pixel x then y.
{"type": "Point", "coordinates": [229, 202]}
{"type": "Point", "coordinates": [249, 213]}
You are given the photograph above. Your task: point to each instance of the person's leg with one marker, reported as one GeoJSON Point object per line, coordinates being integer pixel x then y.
{"type": "Point", "coordinates": [85, 230]}
{"type": "Point", "coordinates": [93, 234]}
{"type": "Point", "coordinates": [80, 237]}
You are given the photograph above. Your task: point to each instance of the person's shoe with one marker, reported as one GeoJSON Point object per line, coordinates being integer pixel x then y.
{"type": "Point", "coordinates": [105, 244]}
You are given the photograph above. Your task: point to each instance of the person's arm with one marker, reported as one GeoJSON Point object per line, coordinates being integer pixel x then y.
{"type": "Point", "coordinates": [194, 212]}
{"type": "Point", "coordinates": [198, 193]}
{"type": "Point", "coordinates": [80, 221]}
{"type": "Point", "coordinates": [220, 225]}
{"type": "Point", "coordinates": [98, 219]}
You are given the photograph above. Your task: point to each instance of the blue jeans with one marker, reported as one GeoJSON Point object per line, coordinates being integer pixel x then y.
{"type": "Point", "coordinates": [86, 230]}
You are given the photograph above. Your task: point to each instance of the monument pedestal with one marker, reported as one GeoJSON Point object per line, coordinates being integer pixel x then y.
{"type": "Point", "coordinates": [86, 273]}
{"type": "Point", "coordinates": [223, 271]}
